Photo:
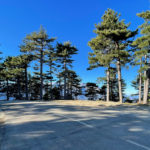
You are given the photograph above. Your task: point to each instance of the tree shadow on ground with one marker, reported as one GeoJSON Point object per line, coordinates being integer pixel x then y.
{"type": "Point", "coordinates": [58, 127]}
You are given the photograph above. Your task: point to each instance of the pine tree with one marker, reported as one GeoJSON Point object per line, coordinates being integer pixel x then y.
{"type": "Point", "coordinates": [56, 93]}
{"type": "Point", "coordinates": [37, 43]}
{"type": "Point", "coordinates": [138, 60]}
{"type": "Point", "coordinates": [13, 71]}
{"type": "Point", "coordinates": [33, 87]}
{"type": "Point", "coordinates": [5, 76]}
{"type": "Point", "coordinates": [137, 83]}
{"type": "Point", "coordinates": [92, 91]}
{"type": "Point", "coordinates": [143, 44]}
{"type": "Point", "coordinates": [101, 56]}
{"type": "Point", "coordinates": [102, 92]}
{"type": "Point", "coordinates": [114, 94]}
{"type": "Point", "coordinates": [73, 84]}
{"type": "Point", "coordinates": [51, 62]}
{"type": "Point", "coordinates": [59, 83]}
{"type": "Point", "coordinates": [117, 31]}
{"type": "Point", "coordinates": [1, 69]}
{"type": "Point", "coordinates": [64, 55]}
{"type": "Point", "coordinates": [26, 59]}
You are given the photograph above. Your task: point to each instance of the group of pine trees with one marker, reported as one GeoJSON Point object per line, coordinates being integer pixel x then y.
{"type": "Point", "coordinates": [51, 75]}
{"type": "Point", "coordinates": [114, 47]}
{"type": "Point", "coordinates": [43, 70]}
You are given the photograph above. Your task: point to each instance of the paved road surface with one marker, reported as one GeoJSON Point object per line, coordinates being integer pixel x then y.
{"type": "Point", "coordinates": [54, 126]}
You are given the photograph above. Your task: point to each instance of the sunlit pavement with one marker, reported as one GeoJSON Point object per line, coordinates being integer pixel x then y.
{"type": "Point", "coordinates": [54, 126]}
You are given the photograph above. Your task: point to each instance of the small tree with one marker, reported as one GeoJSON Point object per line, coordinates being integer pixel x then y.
{"type": "Point", "coordinates": [26, 59]}
{"type": "Point", "coordinates": [113, 85]}
{"type": "Point", "coordinates": [137, 83]}
{"type": "Point", "coordinates": [12, 70]}
{"type": "Point", "coordinates": [91, 91]}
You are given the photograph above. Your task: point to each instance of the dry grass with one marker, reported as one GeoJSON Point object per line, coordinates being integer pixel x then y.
{"type": "Point", "coordinates": [87, 103]}
{"type": "Point", "coordinates": [1, 117]}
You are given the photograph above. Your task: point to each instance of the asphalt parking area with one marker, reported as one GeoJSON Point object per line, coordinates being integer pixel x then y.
{"type": "Point", "coordinates": [58, 126]}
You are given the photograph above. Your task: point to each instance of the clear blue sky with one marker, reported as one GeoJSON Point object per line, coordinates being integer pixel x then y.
{"type": "Point", "coordinates": [71, 20]}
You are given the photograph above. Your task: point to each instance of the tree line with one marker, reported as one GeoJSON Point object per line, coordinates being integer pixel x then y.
{"type": "Point", "coordinates": [43, 70]}
{"type": "Point", "coordinates": [51, 77]}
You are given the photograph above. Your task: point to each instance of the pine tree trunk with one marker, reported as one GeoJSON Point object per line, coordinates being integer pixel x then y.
{"type": "Point", "coordinates": [26, 83]}
{"type": "Point", "coordinates": [71, 90]}
{"type": "Point", "coordinates": [60, 89]}
{"type": "Point", "coordinates": [7, 90]}
{"type": "Point", "coordinates": [111, 91]}
{"type": "Point", "coordinates": [41, 74]}
{"type": "Point", "coordinates": [140, 85]}
{"type": "Point", "coordinates": [30, 88]}
{"type": "Point", "coordinates": [144, 85]}
{"type": "Point", "coordinates": [146, 91]}
{"type": "Point", "coordinates": [51, 86]}
{"type": "Point", "coordinates": [77, 94]}
{"type": "Point", "coordinates": [51, 81]}
{"type": "Point", "coordinates": [67, 88]}
{"type": "Point", "coordinates": [65, 80]}
{"type": "Point", "coordinates": [19, 90]}
{"type": "Point", "coordinates": [108, 81]}
{"type": "Point", "coordinates": [119, 81]}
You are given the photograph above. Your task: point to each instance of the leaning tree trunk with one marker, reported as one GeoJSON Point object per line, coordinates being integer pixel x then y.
{"type": "Point", "coordinates": [26, 83]}
{"type": "Point", "coordinates": [119, 81]}
{"type": "Point", "coordinates": [41, 74]}
{"type": "Point", "coordinates": [108, 81]}
{"type": "Point", "coordinates": [140, 85]}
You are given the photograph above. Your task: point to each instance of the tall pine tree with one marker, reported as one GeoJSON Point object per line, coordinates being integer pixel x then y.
{"type": "Point", "coordinates": [101, 56]}
{"type": "Point", "coordinates": [51, 62]}
{"type": "Point", "coordinates": [117, 31]}
{"type": "Point", "coordinates": [143, 44]}
{"type": "Point", "coordinates": [64, 54]}
{"type": "Point", "coordinates": [37, 43]}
